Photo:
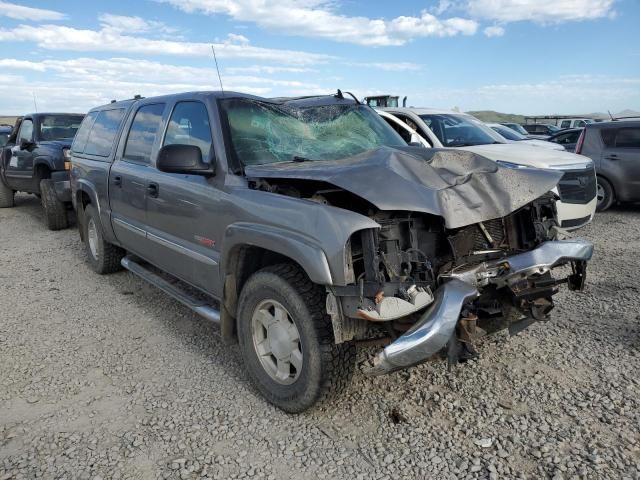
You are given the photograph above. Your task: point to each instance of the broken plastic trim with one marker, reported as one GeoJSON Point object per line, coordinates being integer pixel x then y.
{"type": "Point", "coordinates": [390, 308]}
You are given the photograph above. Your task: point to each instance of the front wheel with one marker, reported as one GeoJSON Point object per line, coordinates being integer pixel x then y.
{"type": "Point", "coordinates": [6, 196]}
{"type": "Point", "coordinates": [605, 195]}
{"type": "Point", "coordinates": [55, 211]}
{"type": "Point", "coordinates": [286, 339]}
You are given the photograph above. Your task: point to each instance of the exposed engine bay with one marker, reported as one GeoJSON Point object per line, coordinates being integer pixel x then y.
{"type": "Point", "coordinates": [398, 275]}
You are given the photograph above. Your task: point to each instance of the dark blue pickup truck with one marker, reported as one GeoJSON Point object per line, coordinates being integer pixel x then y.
{"type": "Point", "coordinates": [36, 160]}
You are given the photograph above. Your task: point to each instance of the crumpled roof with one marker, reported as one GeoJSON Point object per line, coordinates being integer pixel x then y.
{"type": "Point", "coordinates": [461, 187]}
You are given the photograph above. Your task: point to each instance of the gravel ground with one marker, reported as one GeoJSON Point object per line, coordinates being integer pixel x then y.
{"type": "Point", "coordinates": [105, 377]}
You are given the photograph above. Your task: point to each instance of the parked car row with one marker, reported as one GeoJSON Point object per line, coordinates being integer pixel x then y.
{"type": "Point", "coordinates": [306, 226]}
{"type": "Point", "coordinates": [441, 128]}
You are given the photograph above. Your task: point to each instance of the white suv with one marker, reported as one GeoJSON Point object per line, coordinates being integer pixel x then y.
{"type": "Point", "coordinates": [433, 128]}
{"type": "Point", "coordinates": [565, 123]}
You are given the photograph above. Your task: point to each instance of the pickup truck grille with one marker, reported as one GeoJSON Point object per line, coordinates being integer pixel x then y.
{"type": "Point", "coordinates": [578, 186]}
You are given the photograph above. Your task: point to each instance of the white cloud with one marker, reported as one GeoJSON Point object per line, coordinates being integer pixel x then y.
{"type": "Point", "coordinates": [55, 37]}
{"type": "Point", "coordinates": [388, 66]}
{"type": "Point", "coordinates": [82, 83]}
{"type": "Point", "coordinates": [570, 94]}
{"type": "Point", "coordinates": [20, 12]}
{"type": "Point", "coordinates": [258, 69]}
{"type": "Point", "coordinates": [542, 11]}
{"type": "Point", "coordinates": [317, 18]}
{"type": "Point", "coordinates": [127, 24]}
{"type": "Point", "coordinates": [494, 31]}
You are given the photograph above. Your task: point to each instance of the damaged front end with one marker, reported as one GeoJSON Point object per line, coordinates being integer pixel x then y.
{"type": "Point", "coordinates": [461, 247]}
{"type": "Point", "coordinates": [428, 289]}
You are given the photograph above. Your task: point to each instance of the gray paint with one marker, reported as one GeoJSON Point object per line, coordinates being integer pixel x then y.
{"type": "Point", "coordinates": [165, 230]}
{"type": "Point", "coordinates": [460, 186]}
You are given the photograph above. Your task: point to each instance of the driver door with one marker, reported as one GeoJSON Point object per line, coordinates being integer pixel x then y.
{"type": "Point", "coordinates": [19, 169]}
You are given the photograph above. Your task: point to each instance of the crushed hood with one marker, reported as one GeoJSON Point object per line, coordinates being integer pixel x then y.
{"type": "Point", "coordinates": [461, 187]}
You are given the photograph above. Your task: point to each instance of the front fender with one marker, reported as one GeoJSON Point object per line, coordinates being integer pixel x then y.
{"type": "Point", "coordinates": [48, 162]}
{"type": "Point", "coordinates": [299, 248]}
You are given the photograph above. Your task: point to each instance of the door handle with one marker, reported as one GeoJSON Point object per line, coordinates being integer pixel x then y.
{"type": "Point", "coordinates": [117, 181]}
{"type": "Point", "coordinates": [613, 156]}
{"type": "Point", "coordinates": [153, 189]}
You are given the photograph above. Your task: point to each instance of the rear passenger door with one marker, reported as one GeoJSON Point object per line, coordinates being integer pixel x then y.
{"type": "Point", "coordinates": [128, 178]}
{"type": "Point", "coordinates": [183, 218]}
{"type": "Point", "coordinates": [622, 152]}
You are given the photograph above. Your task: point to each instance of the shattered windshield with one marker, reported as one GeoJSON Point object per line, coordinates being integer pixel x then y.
{"type": "Point", "coordinates": [263, 132]}
{"type": "Point", "coordinates": [460, 130]}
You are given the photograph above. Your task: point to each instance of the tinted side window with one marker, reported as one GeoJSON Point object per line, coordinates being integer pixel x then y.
{"type": "Point", "coordinates": [628, 138]}
{"type": "Point", "coordinates": [104, 132]}
{"type": "Point", "coordinates": [608, 137]}
{"type": "Point", "coordinates": [565, 124]}
{"type": "Point", "coordinates": [80, 140]}
{"type": "Point", "coordinates": [189, 125]}
{"type": "Point", "coordinates": [142, 133]}
{"type": "Point", "coordinates": [26, 131]}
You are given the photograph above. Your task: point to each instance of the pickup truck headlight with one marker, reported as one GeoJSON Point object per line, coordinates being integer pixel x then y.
{"type": "Point", "coordinates": [66, 155]}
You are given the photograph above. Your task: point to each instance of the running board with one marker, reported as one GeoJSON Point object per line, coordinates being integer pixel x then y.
{"type": "Point", "coordinates": [199, 306]}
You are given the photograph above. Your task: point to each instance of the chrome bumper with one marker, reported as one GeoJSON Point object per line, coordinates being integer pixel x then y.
{"type": "Point", "coordinates": [437, 325]}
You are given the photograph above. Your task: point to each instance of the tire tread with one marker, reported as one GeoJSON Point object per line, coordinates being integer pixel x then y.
{"type": "Point", "coordinates": [55, 211]}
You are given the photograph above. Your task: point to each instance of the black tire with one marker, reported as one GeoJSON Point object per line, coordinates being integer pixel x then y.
{"type": "Point", "coordinates": [6, 196]}
{"type": "Point", "coordinates": [606, 195]}
{"type": "Point", "coordinates": [107, 256]}
{"type": "Point", "coordinates": [55, 211]}
{"type": "Point", "coordinates": [326, 367]}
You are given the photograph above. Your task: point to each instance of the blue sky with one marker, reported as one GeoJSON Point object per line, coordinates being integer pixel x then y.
{"type": "Point", "coordinates": [517, 56]}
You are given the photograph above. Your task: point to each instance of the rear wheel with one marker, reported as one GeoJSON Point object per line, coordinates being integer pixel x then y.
{"type": "Point", "coordinates": [6, 196]}
{"type": "Point", "coordinates": [605, 195]}
{"type": "Point", "coordinates": [286, 339]}
{"type": "Point", "coordinates": [103, 256]}
{"type": "Point", "coordinates": [55, 211]}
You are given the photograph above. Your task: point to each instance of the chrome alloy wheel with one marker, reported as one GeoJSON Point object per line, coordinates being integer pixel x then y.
{"type": "Point", "coordinates": [276, 341]}
{"type": "Point", "coordinates": [92, 234]}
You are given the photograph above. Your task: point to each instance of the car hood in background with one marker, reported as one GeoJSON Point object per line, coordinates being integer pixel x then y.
{"type": "Point", "coordinates": [459, 186]}
{"type": "Point", "coordinates": [61, 143]}
{"type": "Point", "coordinates": [534, 156]}
{"type": "Point", "coordinates": [544, 144]}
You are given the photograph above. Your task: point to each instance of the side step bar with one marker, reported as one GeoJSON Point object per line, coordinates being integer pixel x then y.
{"type": "Point", "coordinates": [199, 306]}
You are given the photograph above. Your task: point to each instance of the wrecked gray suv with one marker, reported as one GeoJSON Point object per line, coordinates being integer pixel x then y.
{"type": "Point", "coordinates": [305, 226]}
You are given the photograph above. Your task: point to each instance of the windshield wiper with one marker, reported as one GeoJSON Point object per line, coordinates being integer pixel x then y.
{"type": "Point", "coordinates": [299, 159]}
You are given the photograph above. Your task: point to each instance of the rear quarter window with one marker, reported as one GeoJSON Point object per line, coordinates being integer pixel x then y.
{"type": "Point", "coordinates": [104, 131]}
{"type": "Point", "coordinates": [628, 138]}
{"type": "Point", "coordinates": [80, 140]}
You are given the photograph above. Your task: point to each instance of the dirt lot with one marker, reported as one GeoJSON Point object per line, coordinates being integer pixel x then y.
{"type": "Point", "coordinates": [105, 377]}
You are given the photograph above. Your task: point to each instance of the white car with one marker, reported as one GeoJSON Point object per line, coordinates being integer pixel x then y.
{"type": "Point", "coordinates": [512, 136]}
{"type": "Point", "coordinates": [433, 128]}
{"type": "Point", "coordinates": [565, 123]}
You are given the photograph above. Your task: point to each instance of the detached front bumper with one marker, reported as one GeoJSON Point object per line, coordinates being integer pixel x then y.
{"type": "Point", "coordinates": [62, 185]}
{"type": "Point", "coordinates": [437, 325]}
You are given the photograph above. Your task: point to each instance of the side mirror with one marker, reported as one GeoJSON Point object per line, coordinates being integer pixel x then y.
{"type": "Point", "coordinates": [25, 144]}
{"type": "Point", "coordinates": [183, 159]}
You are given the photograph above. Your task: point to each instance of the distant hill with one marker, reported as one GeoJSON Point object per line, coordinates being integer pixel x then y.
{"type": "Point", "coordinates": [490, 116]}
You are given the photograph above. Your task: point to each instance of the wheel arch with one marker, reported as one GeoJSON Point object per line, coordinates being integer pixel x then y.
{"type": "Point", "coordinates": [248, 249]}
